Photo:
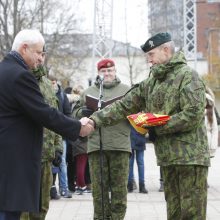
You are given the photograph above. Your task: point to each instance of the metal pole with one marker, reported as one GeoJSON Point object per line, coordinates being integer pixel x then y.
{"type": "Point", "coordinates": [101, 148]}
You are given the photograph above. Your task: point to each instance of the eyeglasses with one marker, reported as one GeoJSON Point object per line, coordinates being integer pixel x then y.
{"type": "Point", "coordinates": [39, 53]}
{"type": "Point", "coordinates": [106, 70]}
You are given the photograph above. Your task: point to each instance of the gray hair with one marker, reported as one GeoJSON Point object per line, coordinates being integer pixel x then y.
{"type": "Point", "coordinates": [169, 44]}
{"type": "Point", "coordinates": [28, 36]}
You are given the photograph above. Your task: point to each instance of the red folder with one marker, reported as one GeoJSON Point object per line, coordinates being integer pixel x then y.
{"type": "Point", "coordinates": [142, 120]}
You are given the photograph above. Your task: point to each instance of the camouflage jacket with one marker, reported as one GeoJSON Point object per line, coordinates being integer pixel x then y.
{"type": "Point", "coordinates": [115, 137]}
{"type": "Point", "coordinates": [51, 140]}
{"type": "Point", "coordinates": [176, 90]}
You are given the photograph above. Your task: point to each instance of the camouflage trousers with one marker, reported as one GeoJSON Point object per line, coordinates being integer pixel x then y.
{"type": "Point", "coordinates": [115, 178]}
{"type": "Point", "coordinates": [46, 182]}
{"type": "Point", "coordinates": [185, 188]}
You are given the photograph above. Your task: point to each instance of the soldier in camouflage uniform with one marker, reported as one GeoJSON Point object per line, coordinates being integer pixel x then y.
{"type": "Point", "coordinates": [174, 89]}
{"type": "Point", "coordinates": [52, 144]}
{"type": "Point", "coordinates": [116, 151]}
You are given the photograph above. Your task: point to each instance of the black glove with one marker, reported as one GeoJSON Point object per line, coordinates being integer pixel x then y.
{"type": "Point", "coordinates": [86, 111]}
{"type": "Point", "coordinates": [152, 134]}
{"type": "Point", "coordinates": [57, 159]}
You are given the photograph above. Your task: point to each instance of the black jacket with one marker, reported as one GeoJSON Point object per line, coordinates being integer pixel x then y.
{"type": "Point", "coordinates": [23, 113]}
{"type": "Point", "coordinates": [64, 105]}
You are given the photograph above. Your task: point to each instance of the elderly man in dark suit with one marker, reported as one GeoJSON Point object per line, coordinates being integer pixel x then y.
{"type": "Point", "coordinates": [23, 114]}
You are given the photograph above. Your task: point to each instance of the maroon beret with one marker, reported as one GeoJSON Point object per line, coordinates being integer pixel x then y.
{"type": "Point", "coordinates": [105, 63]}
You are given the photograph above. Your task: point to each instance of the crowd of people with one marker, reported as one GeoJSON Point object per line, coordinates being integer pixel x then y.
{"type": "Point", "coordinates": [48, 131]}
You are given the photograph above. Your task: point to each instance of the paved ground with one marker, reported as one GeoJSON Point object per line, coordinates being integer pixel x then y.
{"type": "Point", "coordinates": [149, 206]}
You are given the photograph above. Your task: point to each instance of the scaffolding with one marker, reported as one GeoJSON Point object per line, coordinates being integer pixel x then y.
{"type": "Point", "coordinates": [102, 31]}
{"type": "Point", "coordinates": [178, 17]}
{"type": "Point", "coordinates": [190, 47]}
{"type": "Point", "coordinates": [166, 16]}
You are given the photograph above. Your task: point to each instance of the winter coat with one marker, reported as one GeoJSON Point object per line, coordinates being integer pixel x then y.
{"type": "Point", "coordinates": [64, 104]}
{"type": "Point", "coordinates": [138, 141]}
{"type": "Point", "coordinates": [79, 146]}
{"type": "Point", "coordinates": [115, 137]}
{"type": "Point", "coordinates": [23, 114]}
{"type": "Point", "coordinates": [172, 89]}
{"type": "Point", "coordinates": [51, 140]}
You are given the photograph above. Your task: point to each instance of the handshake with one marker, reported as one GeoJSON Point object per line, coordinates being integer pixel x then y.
{"type": "Point", "coordinates": [87, 126]}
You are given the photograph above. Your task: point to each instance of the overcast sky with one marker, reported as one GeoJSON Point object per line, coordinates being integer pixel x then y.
{"type": "Point", "coordinates": [136, 20]}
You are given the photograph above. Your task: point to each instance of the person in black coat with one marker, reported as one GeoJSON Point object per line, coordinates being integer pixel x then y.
{"type": "Point", "coordinates": [23, 114]}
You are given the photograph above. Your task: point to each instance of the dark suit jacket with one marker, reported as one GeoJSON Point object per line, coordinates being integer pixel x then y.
{"type": "Point", "coordinates": [23, 114]}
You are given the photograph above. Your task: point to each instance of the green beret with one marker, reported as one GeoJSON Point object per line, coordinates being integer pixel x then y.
{"type": "Point", "coordinates": [155, 41]}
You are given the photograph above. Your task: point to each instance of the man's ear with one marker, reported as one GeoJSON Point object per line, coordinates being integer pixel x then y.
{"type": "Point", "coordinates": [166, 49]}
{"type": "Point", "coordinates": [23, 49]}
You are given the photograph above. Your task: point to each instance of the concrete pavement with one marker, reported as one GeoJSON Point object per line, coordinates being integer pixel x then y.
{"type": "Point", "coordinates": [149, 206]}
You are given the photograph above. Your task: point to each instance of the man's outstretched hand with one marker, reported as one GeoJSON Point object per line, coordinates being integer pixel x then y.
{"type": "Point", "coordinates": [87, 127]}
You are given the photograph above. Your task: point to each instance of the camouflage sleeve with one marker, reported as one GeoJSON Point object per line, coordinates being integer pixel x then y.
{"type": "Point", "coordinates": [192, 105]}
{"type": "Point", "coordinates": [58, 143]}
{"type": "Point", "coordinates": [112, 114]}
{"type": "Point", "coordinates": [52, 100]}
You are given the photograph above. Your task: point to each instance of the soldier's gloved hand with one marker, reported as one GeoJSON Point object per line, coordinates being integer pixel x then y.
{"type": "Point", "coordinates": [152, 134]}
{"type": "Point", "coordinates": [87, 112]}
{"type": "Point", "coordinates": [57, 159]}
